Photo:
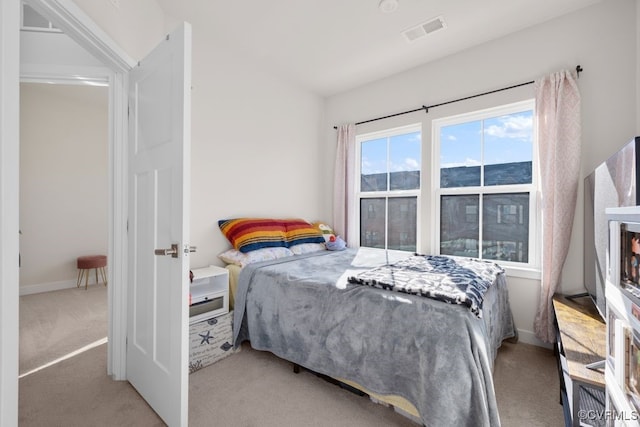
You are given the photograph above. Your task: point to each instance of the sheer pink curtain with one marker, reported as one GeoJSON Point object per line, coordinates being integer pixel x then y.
{"type": "Point", "coordinates": [343, 182]}
{"type": "Point", "coordinates": [558, 117]}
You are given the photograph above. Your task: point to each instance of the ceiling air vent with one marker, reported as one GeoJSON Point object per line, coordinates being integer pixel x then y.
{"type": "Point", "coordinates": [421, 30]}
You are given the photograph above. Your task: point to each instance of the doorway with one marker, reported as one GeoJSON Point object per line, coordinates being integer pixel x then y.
{"type": "Point", "coordinates": [85, 32]}
{"type": "Point", "coordinates": [63, 214]}
{"type": "Point", "coordinates": [113, 69]}
{"type": "Point", "coordinates": [177, 47]}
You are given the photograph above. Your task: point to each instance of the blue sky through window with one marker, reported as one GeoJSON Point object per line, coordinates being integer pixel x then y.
{"type": "Point", "coordinates": [404, 154]}
{"type": "Point", "coordinates": [507, 139]}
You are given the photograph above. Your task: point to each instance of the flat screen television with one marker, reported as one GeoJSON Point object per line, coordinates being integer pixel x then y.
{"type": "Point", "coordinates": [612, 184]}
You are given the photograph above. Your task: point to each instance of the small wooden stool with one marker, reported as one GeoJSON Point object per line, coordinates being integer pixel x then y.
{"type": "Point", "coordinates": [91, 262]}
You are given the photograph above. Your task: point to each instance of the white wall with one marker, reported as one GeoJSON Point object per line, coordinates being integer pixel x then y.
{"type": "Point", "coordinates": [255, 148]}
{"type": "Point", "coordinates": [136, 26]}
{"type": "Point", "coordinates": [63, 152]}
{"type": "Point", "coordinates": [63, 180]}
{"type": "Point", "coordinates": [256, 144]}
{"type": "Point", "coordinates": [601, 38]}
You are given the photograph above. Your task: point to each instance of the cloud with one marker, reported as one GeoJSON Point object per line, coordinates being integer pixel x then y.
{"type": "Point", "coordinates": [512, 127]}
{"type": "Point", "coordinates": [408, 164]}
{"type": "Point", "coordinates": [368, 167]}
{"type": "Point", "coordinates": [412, 163]}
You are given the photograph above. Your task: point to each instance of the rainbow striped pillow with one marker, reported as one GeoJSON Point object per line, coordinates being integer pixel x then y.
{"type": "Point", "coordinates": [250, 234]}
{"type": "Point", "coordinates": [299, 231]}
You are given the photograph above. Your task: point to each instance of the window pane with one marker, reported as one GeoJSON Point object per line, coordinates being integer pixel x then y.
{"type": "Point", "coordinates": [31, 18]}
{"type": "Point", "coordinates": [508, 149]}
{"type": "Point", "coordinates": [505, 227]}
{"type": "Point", "coordinates": [404, 161]}
{"type": "Point", "coordinates": [459, 225]}
{"type": "Point", "coordinates": [373, 165]}
{"type": "Point", "coordinates": [403, 219]}
{"type": "Point", "coordinates": [372, 222]}
{"type": "Point", "coordinates": [460, 155]}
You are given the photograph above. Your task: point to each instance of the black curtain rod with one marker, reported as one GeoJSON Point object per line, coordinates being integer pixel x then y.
{"type": "Point", "coordinates": [579, 69]}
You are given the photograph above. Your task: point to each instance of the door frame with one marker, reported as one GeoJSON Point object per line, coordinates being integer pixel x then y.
{"type": "Point", "coordinates": [80, 27]}
{"type": "Point", "coordinates": [9, 216]}
{"type": "Point", "coordinates": [76, 24]}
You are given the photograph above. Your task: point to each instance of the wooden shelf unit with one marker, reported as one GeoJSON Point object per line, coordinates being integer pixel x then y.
{"type": "Point", "coordinates": [581, 341]}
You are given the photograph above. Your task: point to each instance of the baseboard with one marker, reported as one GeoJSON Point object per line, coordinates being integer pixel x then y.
{"type": "Point", "coordinates": [529, 337]}
{"type": "Point", "coordinates": [47, 287]}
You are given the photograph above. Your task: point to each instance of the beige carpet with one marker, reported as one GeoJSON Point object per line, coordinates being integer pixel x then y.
{"type": "Point", "coordinates": [247, 389]}
{"type": "Point", "coordinates": [53, 324]}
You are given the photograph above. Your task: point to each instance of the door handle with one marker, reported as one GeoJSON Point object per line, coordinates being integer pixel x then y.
{"type": "Point", "coordinates": [173, 251]}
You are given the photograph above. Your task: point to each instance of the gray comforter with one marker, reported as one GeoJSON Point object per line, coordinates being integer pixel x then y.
{"type": "Point", "coordinates": [436, 355]}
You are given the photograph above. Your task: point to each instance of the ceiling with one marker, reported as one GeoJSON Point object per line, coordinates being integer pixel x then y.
{"type": "Point", "coordinates": [331, 46]}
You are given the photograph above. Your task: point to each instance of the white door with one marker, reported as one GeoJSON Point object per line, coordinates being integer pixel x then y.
{"type": "Point", "coordinates": [159, 154]}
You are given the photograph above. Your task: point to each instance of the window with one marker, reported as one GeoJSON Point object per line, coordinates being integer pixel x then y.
{"type": "Point", "coordinates": [484, 184]}
{"type": "Point", "coordinates": [33, 21]}
{"type": "Point", "coordinates": [389, 188]}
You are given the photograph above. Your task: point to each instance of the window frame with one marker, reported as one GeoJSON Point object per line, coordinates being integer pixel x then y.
{"type": "Point", "coordinates": [387, 194]}
{"type": "Point", "coordinates": [50, 28]}
{"type": "Point", "coordinates": [533, 266]}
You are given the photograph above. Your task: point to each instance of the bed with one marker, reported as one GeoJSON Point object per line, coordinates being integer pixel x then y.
{"type": "Point", "coordinates": [431, 359]}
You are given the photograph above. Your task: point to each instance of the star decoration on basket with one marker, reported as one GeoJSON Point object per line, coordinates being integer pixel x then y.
{"type": "Point", "coordinates": [205, 338]}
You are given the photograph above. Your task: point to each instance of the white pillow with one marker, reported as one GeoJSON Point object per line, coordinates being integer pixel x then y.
{"type": "Point", "coordinates": [233, 256]}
